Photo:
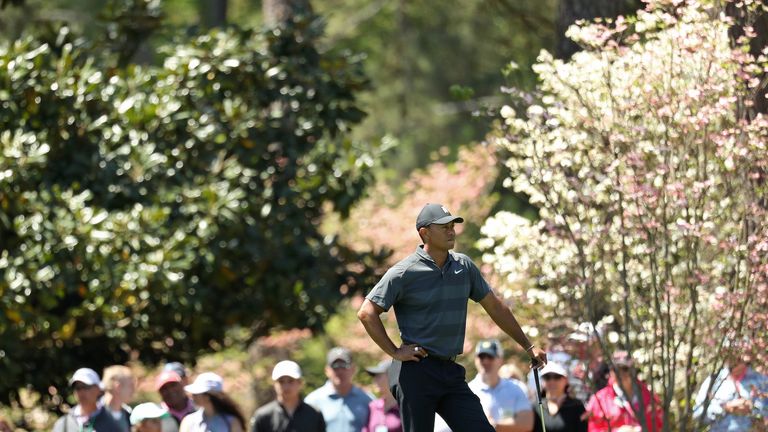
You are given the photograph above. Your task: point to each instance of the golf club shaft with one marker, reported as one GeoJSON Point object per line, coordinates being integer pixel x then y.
{"type": "Point", "coordinates": [538, 398]}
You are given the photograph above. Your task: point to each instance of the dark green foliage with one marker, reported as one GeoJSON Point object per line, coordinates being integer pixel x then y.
{"type": "Point", "coordinates": [144, 211]}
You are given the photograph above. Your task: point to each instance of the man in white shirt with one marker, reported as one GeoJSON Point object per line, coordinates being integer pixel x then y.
{"type": "Point", "coordinates": [505, 404]}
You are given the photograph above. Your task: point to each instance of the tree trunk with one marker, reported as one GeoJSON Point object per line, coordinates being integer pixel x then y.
{"type": "Point", "coordinates": [277, 12]}
{"type": "Point", "coordinates": [571, 11]}
{"type": "Point", "coordinates": [759, 22]}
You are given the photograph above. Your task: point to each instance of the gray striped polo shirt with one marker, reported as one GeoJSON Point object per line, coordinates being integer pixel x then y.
{"type": "Point", "coordinates": [431, 303]}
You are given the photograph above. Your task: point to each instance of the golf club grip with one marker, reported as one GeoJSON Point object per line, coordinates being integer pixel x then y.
{"type": "Point", "coordinates": [538, 385]}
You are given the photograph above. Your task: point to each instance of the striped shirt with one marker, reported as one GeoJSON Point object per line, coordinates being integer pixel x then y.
{"type": "Point", "coordinates": [430, 302]}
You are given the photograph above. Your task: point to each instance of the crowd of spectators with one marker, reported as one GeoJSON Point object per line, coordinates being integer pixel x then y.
{"type": "Point", "coordinates": [580, 391]}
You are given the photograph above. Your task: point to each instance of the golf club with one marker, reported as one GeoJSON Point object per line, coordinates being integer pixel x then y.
{"type": "Point", "coordinates": [538, 397]}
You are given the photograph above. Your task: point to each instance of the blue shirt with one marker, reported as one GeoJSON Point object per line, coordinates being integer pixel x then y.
{"type": "Point", "coordinates": [341, 413]}
{"type": "Point", "coordinates": [503, 401]}
{"type": "Point", "coordinates": [431, 302]}
{"type": "Point", "coordinates": [726, 389]}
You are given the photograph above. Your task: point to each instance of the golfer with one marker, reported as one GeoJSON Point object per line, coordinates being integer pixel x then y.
{"type": "Point", "coordinates": [429, 291]}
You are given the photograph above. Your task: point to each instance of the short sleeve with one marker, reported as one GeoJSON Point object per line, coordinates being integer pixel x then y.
{"type": "Point", "coordinates": [387, 291]}
{"type": "Point", "coordinates": [478, 287]}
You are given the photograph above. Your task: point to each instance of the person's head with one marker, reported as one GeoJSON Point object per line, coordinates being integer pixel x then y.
{"type": "Point", "coordinates": [171, 389]}
{"type": "Point", "coordinates": [339, 368]}
{"type": "Point", "coordinates": [86, 385]}
{"type": "Point", "coordinates": [436, 226]}
{"type": "Point", "coordinates": [489, 356]}
{"type": "Point", "coordinates": [379, 375]}
{"type": "Point", "coordinates": [623, 370]}
{"type": "Point", "coordinates": [208, 393]}
{"type": "Point", "coordinates": [179, 369]}
{"type": "Point", "coordinates": [287, 380]}
{"type": "Point", "coordinates": [205, 383]}
{"type": "Point", "coordinates": [554, 379]}
{"type": "Point", "coordinates": [119, 382]}
{"type": "Point", "coordinates": [147, 417]}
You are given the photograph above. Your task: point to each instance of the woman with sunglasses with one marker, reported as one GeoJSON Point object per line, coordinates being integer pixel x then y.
{"type": "Point", "coordinates": [217, 411]}
{"type": "Point", "coordinates": [561, 412]}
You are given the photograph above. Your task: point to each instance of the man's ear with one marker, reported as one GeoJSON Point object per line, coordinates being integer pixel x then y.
{"type": "Point", "coordinates": [423, 231]}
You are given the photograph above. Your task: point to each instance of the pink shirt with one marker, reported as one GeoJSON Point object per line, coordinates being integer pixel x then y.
{"type": "Point", "coordinates": [180, 414]}
{"type": "Point", "coordinates": [609, 407]}
{"type": "Point", "coordinates": [380, 421]}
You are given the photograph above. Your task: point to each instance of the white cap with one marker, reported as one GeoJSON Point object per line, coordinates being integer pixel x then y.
{"type": "Point", "coordinates": [145, 411]}
{"type": "Point", "coordinates": [286, 368]}
{"type": "Point", "coordinates": [553, 368]}
{"type": "Point", "coordinates": [205, 382]}
{"type": "Point", "coordinates": [86, 376]}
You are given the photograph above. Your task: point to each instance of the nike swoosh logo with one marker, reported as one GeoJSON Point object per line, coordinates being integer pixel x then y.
{"type": "Point", "coordinates": [458, 271]}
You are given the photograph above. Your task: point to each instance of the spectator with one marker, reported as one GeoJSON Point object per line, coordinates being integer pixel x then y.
{"type": "Point", "coordinates": [287, 413]}
{"type": "Point", "coordinates": [344, 405]}
{"type": "Point", "coordinates": [217, 412]}
{"type": "Point", "coordinates": [505, 405]}
{"type": "Point", "coordinates": [513, 373]}
{"type": "Point", "coordinates": [384, 413]}
{"type": "Point", "coordinates": [738, 397]}
{"type": "Point", "coordinates": [147, 417]}
{"type": "Point", "coordinates": [175, 400]}
{"type": "Point", "coordinates": [88, 414]}
{"type": "Point", "coordinates": [179, 369]}
{"type": "Point", "coordinates": [613, 408]}
{"type": "Point", "coordinates": [119, 387]}
{"type": "Point", "coordinates": [562, 413]}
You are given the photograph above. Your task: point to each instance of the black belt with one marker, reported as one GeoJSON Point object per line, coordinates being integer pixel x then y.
{"type": "Point", "coordinates": [441, 357]}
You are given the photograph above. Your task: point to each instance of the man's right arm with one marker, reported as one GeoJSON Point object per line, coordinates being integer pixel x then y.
{"type": "Point", "coordinates": [369, 315]}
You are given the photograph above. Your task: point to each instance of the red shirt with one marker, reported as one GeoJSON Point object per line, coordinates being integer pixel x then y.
{"type": "Point", "coordinates": [607, 407]}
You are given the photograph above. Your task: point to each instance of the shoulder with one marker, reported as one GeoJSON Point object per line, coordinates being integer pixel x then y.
{"type": "Point", "coordinates": [401, 267]}
{"type": "Point", "coordinates": [307, 409]}
{"type": "Point", "coordinates": [190, 420]}
{"type": "Point", "coordinates": [361, 394]}
{"type": "Point", "coordinates": [104, 418]}
{"type": "Point", "coordinates": [317, 395]}
{"type": "Point", "coordinates": [476, 383]}
{"type": "Point", "coordinates": [462, 259]}
{"type": "Point", "coordinates": [509, 387]}
{"type": "Point", "coordinates": [266, 409]}
{"type": "Point", "coordinates": [60, 422]}
{"type": "Point", "coordinates": [573, 403]}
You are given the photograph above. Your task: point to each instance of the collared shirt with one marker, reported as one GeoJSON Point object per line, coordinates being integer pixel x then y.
{"type": "Point", "coordinates": [431, 302]}
{"type": "Point", "coordinates": [75, 421]}
{"type": "Point", "coordinates": [503, 401]}
{"type": "Point", "coordinates": [341, 413]}
{"type": "Point", "coordinates": [383, 421]}
{"type": "Point", "coordinates": [752, 386]}
{"type": "Point", "coordinates": [180, 414]}
{"type": "Point", "coordinates": [273, 417]}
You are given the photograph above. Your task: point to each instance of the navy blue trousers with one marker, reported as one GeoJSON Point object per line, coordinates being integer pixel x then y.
{"type": "Point", "coordinates": [432, 386]}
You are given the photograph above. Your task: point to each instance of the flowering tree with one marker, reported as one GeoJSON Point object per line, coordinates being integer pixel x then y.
{"type": "Point", "coordinates": [651, 186]}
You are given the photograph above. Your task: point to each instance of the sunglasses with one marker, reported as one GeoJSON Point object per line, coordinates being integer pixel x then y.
{"type": "Point", "coordinates": [340, 365]}
{"type": "Point", "coordinates": [81, 386]}
{"type": "Point", "coordinates": [549, 377]}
